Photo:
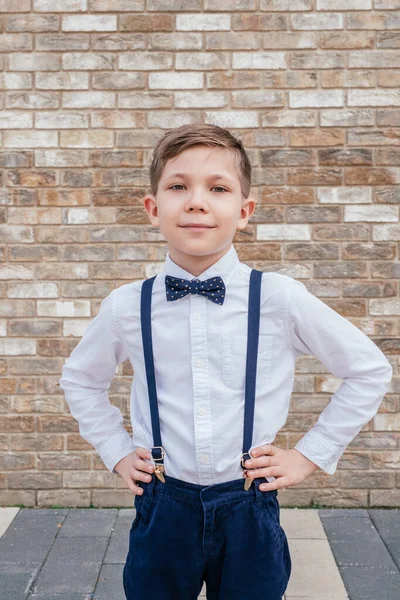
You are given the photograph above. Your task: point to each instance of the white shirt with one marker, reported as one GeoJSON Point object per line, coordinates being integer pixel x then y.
{"type": "Point", "coordinates": [199, 356]}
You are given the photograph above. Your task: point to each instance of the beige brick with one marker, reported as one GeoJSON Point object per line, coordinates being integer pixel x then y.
{"type": "Point", "coordinates": [117, 119]}
{"type": "Point", "coordinates": [389, 78]}
{"type": "Point", "coordinates": [118, 81]}
{"type": "Point", "coordinates": [175, 41]}
{"type": "Point", "coordinates": [145, 61]}
{"type": "Point", "coordinates": [321, 60]}
{"type": "Point", "coordinates": [60, 42]}
{"type": "Point", "coordinates": [374, 137]}
{"type": "Point", "coordinates": [203, 22]}
{"type": "Point", "coordinates": [35, 61]}
{"type": "Point", "coordinates": [234, 118]}
{"type": "Point", "coordinates": [117, 5]}
{"type": "Point", "coordinates": [373, 20]}
{"type": "Point", "coordinates": [344, 4]}
{"type": "Point", "coordinates": [346, 39]}
{"type": "Point", "coordinates": [32, 100]}
{"type": "Point", "coordinates": [144, 100]}
{"type": "Point", "coordinates": [346, 117]}
{"type": "Point", "coordinates": [15, 81]}
{"type": "Point", "coordinates": [61, 120]}
{"type": "Point", "coordinates": [146, 23]}
{"type": "Point", "coordinates": [288, 118]}
{"type": "Point", "coordinates": [306, 137]}
{"type": "Point", "coordinates": [10, 6]}
{"type": "Point", "coordinates": [283, 232]}
{"type": "Point", "coordinates": [88, 100]}
{"type": "Point", "coordinates": [316, 99]}
{"type": "Point", "coordinates": [88, 62]}
{"type": "Point", "coordinates": [345, 195]}
{"type": "Point", "coordinates": [33, 23]}
{"type": "Point", "coordinates": [175, 81]}
{"type": "Point", "coordinates": [286, 5]}
{"type": "Point", "coordinates": [201, 61]}
{"type": "Point", "coordinates": [61, 158]}
{"type": "Point", "coordinates": [317, 21]}
{"type": "Point", "coordinates": [257, 22]}
{"type": "Point", "coordinates": [200, 99]}
{"type": "Point", "coordinates": [386, 4]}
{"type": "Point", "coordinates": [286, 40]}
{"type": "Point", "coordinates": [62, 81]}
{"type": "Point", "coordinates": [371, 213]}
{"type": "Point", "coordinates": [15, 120]}
{"type": "Point", "coordinates": [168, 120]}
{"type": "Point", "coordinates": [233, 40]}
{"type": "Point", "coordinates": [33, 290]}
{"type": "Point", "coordinates": [30, 139]}
{"type": "Point", "coordinates": [174, 5]}
{"type": "Point", "coordinates": [254, 99]}
{"type": "Point", "coordinates": [60, 5]}
{"type": "Point", "coordinates": [89, 23]}
{"type": "Point", "coordinates": [17, 41]}
{"type": "Point", "coordinates": [258, 60]}
{"type": "Point", "coordinates": [373, 98]}
{"type": "Point", "coordinates": [99, 138]}
{"type": "Point", "coordinates": [374, 59]}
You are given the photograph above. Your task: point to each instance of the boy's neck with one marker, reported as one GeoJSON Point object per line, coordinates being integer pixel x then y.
{"type": "Point", "coordinates": [196, 265]}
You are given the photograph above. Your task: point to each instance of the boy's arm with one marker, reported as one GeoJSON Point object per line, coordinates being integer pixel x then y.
{"type": "Point", "coordinates": [86, 377]}
{"type": "Point", "coordinates": [314, 328]}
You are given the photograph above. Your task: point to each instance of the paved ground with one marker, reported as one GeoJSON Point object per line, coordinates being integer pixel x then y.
{"type": "Point", "coordinates": [78, 554]}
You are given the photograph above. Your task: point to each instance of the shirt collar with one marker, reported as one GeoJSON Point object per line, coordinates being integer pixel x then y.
{"type": "Point", "coordinates": [224, 267]}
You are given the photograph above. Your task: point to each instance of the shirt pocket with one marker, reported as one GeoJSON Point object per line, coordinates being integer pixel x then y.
{"type": "Point", "coordinates": [234, 351]}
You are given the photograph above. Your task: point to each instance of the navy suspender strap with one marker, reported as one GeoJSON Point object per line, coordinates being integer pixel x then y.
{"type": "Point", "coordinates": [253, 327]}
{"type": "Point", "coordinates": [157, 451]}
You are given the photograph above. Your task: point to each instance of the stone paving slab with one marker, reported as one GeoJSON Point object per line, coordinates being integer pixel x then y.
{"type": "Point", "coordinates": [79, 554]}
{"type": "Point", "coordinates": [366, 547]}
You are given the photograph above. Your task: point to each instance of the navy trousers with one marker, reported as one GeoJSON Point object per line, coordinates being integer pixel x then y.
{"type": "Point", "coordinates": [185, 534]}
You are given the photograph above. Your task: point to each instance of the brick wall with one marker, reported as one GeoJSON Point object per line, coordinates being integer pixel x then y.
{"type": "Point", "coordinates": [88, 87]}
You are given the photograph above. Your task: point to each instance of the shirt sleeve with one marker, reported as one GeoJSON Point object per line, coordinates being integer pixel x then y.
{"type": "Point", "coordinates": [86, 377]}
{"type": "Point", "coordinates": [350, 355]}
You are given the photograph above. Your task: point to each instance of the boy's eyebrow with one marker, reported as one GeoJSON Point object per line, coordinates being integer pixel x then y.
{"type": "Point", "coordinates": [213, 176]}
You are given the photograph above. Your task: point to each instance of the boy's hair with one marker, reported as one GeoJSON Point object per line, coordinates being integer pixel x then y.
{"type": "Point", "coordinates": [179, 139]}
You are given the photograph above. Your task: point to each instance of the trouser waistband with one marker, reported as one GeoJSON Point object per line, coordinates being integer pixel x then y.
{"type": "Point", "coordinates": [219, 493]}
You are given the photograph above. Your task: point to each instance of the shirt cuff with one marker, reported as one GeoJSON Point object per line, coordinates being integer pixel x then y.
{"type": "Point", "coordinates": [115, 449]}
{"type": "Point", "coordinates": [320, 451]}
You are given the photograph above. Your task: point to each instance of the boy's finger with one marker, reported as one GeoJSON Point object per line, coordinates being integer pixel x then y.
{"type": "Point", "coordinates": [143, 452]}
{"type": "Point", "coordinates": [142, 465]}
{"type": "Point", "coordinates": [265, 449]}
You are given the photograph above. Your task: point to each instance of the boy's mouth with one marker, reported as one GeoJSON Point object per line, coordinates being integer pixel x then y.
{"type": "Point", "coordinates": [198, 225]}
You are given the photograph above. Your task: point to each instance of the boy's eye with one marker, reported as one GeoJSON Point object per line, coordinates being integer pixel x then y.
{"type": "Point", "coordinates": [181, 185]}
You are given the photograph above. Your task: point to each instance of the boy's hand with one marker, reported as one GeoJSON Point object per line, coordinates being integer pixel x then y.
{"type": "Point", "coordinates": [290, 467]}
{"type": "Point", "coordinates": [133, 468]}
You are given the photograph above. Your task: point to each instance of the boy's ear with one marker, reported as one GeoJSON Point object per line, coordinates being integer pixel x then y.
{"type": "Point", "coordinates": [150, 206]}
{"type": "Point", "coordinates": [247, 209]}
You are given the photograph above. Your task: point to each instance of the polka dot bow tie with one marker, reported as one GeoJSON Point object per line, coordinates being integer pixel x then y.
{"type": "Point", "coordinates": [213, 288]}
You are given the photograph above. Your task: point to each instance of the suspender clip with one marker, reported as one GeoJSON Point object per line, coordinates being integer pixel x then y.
{"type": "Point", "coordinates": [159, 469]}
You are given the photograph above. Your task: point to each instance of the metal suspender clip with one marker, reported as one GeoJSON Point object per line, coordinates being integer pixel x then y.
{"type": "Point", "coordinates": [248, 480]}
{"type": "Point", "coordinates": [159, 469]}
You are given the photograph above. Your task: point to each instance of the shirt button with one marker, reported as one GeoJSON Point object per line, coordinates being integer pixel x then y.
{"type": "Point", "coordinates": [202, 410]}
{"type": "Point", "coordinates": [204, 458]}
{"type": "Point", "coordinates": [197, 316]}
{"type": "Point", "coordinates": [199, 362]}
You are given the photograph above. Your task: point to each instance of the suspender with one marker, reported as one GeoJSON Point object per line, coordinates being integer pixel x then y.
{"type": "Point", "coordinates": [253, 328]}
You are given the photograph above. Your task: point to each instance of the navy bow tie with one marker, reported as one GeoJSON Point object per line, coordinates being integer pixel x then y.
{"type": "Point", "coordinates": [213, 288]}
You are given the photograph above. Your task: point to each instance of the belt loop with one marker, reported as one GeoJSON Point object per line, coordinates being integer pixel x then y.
{"type": "Point", "coordinates": [259, 493]}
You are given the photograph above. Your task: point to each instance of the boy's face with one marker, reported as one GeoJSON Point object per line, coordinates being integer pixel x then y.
{"type": "Point", "coordinates": [189, 192]}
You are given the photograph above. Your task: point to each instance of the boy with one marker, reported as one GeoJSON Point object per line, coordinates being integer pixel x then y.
{"type": "Point", "coordinates": [213, 345]}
